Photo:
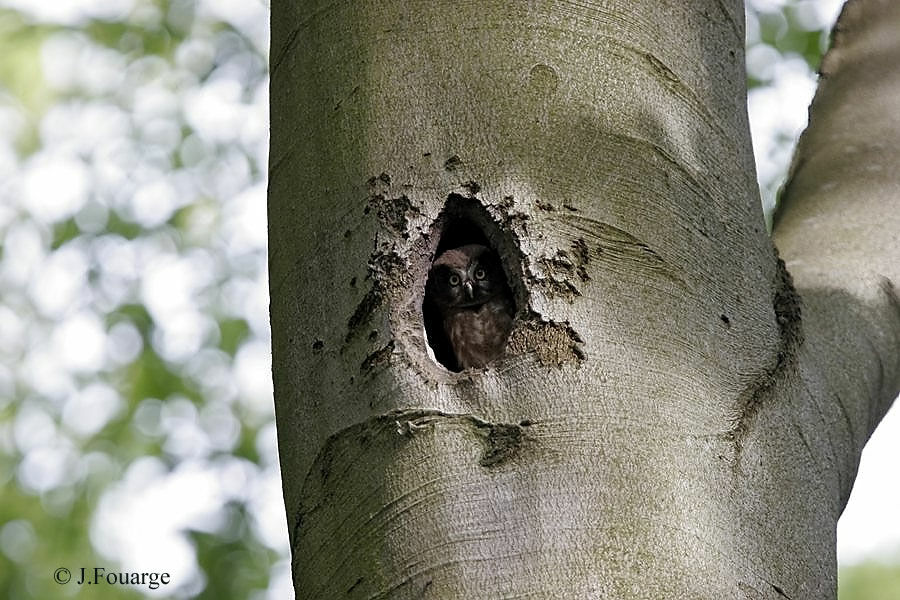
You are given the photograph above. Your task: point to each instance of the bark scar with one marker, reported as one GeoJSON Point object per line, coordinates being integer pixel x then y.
{"type": "Point", "coordinates": [787, 308]}
{"type": "Point", "coordinates": [503, 441]}
{"type": "Point", "coordinates": [552, 343]}
{"type": "Point", "coordinates": [779, 591]}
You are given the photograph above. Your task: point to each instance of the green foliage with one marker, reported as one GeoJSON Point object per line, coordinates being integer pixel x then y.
{"type": "Point", "coordinates": [870, 580]}
{"type": "Point", "coordinates": [787, 34]}
{"type": "Point", "coordinates": [64, 231]}
{"type": "Point", "coordinates": [233, 333]}
{"type": "Point", "coordinates": [231, 562]}
{"type": "Point", "coordinates": [20, 71]}
{"type": "Point", "coordinates": [123, 217]}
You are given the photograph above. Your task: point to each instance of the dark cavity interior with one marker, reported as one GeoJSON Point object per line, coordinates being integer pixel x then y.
{"type": "Point", "coordinates": [456, 226]}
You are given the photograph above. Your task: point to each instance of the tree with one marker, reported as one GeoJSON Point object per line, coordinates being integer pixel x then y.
{"type": "Point", "coordinates": [679, 413]}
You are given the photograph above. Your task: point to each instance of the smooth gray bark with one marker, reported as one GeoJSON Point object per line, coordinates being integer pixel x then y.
{"type": "Point", "coordinates": [838, 226]}
{"type": "Point", "coordinates": [671, 420]}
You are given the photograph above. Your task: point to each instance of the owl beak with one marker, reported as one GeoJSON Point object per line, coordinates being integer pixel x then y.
{"type": "Point", "coordinates": [469, 291]}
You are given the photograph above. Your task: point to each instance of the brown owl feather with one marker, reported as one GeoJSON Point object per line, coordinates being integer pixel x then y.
{"type": "Point", "coordinates": [468, 287]}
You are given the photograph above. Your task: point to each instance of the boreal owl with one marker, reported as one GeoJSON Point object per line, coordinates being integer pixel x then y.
{"type": "Point", "coordinates": [468, 288]}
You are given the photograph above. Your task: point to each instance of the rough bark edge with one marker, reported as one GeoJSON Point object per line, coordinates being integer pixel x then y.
{"type": "Point", "coordinates": [787, 307]}
{"type": "Point", "coordinates": [567, 269]}
{"type": "Point", "coordinates": [388, 268]}
{"type": "Point", "coordinates": [553, 344]}
{"type": "Point", "coordinates": [401, 259]}
{"type": "Point", "coordinates": [500, 443]}
{"type": "Point", "coordinates": [369, 451]}
{"type": "Point", "coordinates": [604, 247]}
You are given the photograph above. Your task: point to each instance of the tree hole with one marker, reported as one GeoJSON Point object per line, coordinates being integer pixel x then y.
{"type": "Point", "coordinates": [468, 308]}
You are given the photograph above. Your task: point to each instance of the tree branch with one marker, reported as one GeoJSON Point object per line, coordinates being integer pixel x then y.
{"type": "Point", "coordinates": [838, 226]}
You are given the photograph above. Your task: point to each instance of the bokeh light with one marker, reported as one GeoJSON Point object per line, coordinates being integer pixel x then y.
{"type": "Point", "coordinates": [135, 384]}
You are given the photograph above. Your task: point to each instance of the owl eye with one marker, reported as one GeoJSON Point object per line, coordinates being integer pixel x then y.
{"type": "Point", "coordinates": [454, 280]}
{"type": "Point", "coordinates": [479, 274]}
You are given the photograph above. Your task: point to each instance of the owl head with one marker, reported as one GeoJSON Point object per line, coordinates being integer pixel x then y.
{"type": "Point", "coordinates": [466, 276]}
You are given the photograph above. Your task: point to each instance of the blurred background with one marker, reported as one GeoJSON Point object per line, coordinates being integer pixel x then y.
{"type": "Point", "coordinates": [136, 417]}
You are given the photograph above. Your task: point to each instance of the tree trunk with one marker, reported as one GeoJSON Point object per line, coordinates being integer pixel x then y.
{"type": "Point", "coordinates": [671, 419]}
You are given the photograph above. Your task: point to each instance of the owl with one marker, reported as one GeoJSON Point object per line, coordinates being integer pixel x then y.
{"type": "Point", "coordinates": [468, 290]}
